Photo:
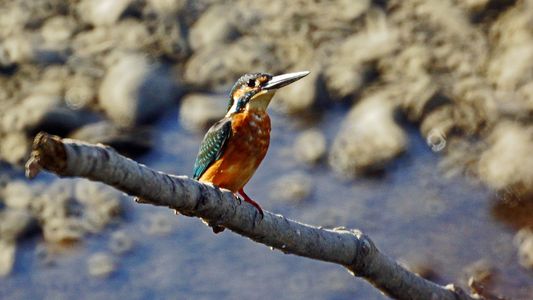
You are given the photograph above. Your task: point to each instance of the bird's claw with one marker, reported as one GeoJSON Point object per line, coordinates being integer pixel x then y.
{"type": "Point", "coordinates": [245, 197]}
{"type": "Point", "coordinates": [258, 210]}
{"type": "Point", "coordinates": [239, 198]}
{"type": "Point", "coordinates": [260, 213]}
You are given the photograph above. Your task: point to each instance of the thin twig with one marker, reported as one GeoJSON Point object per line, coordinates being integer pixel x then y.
{"type": "Point", "coordinates": [349, 248]}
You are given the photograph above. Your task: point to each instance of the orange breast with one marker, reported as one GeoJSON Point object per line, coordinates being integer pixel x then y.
{"type": "Point", "coordinates": [243, 152]}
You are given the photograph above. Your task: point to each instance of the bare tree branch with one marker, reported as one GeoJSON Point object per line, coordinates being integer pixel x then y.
{"type": "Point", "coordinates": [349, 248]}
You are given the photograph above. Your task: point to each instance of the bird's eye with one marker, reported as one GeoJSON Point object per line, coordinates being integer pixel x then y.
{"type": "Point", "coordinates": [251, 82]}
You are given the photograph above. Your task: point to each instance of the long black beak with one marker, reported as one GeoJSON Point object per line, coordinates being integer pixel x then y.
{"type": "Point", "coordinates": [280, 81]}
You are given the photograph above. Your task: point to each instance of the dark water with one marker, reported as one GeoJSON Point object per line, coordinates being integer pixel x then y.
{"type": "Point", "coordinates": [411, 211]}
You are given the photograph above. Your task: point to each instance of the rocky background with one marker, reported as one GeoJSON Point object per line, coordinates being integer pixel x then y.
{"type": "Point", "coordinates": [461, 72]}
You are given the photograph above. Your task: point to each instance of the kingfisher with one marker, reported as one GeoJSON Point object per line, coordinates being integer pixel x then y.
{"type": "Point", "coordinates": [233, 147]}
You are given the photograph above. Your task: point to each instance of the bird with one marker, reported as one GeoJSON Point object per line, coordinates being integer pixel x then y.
{"type": "Point", "coordinates": [233, 148]}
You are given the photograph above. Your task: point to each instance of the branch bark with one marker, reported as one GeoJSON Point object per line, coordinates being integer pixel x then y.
{"type": "Point", "coordinates": [349, 248]}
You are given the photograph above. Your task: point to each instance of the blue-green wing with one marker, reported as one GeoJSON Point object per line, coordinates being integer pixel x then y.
{"type": "Point", "coordinates": [212, 146]}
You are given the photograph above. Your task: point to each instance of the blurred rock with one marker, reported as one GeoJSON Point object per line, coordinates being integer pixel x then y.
{"type": "Point", "coordinates": [297, 98]}
{"type": "Point", "coordinates": [436, 125]}
{"type": "Point", "coordinates": [7, 256]}
{"type": "Point", "coordinates": [128, 141]}
{"type": "Point", "coordinates": [121, 242]}
{"type": "Point", "coordinates": [508, 163]}
{"type": "Point", "coordinates": [101, 204]}
{"type": "Point", "coordinates": [97, 45]}
{"type": "Point", "coordinates": [294, 187]}
{"type": "Point", "coordinates": [166, 7]}
{"type": "Point", "coordinates": [14, 223]}
{"type": "Point", "coordinates": [53, 80]}
{"type": "Point", "coordinates": [310, 146]}
{"type": "Point", "coordinates": [17, 49]}
{"type": "Point", "coordinates": [513, 209]}
{"type": "Point", "coordinates": [131, 35]}
{"type": "Point", "coordinates": [300, 50]}
{"type": "Point", "coordinates": [102, 12]}
{"type": "Point", "coordinates": [14, 148]}
{"type": "Point", "coordinates": [475, 104]}
{"type": "Point", "coordinates": [523, 241]}
{"type": "Point", "coordinates": [347, 10]}
{"type": "Point", "coordinates": [525, 93]}
{"type": "Point", "coordinates": [43, 110]}
{"type": "Point", "coordinates": [474, 5]}
{"type": "Point", "coordinates": [171, 40]}
{"type": "Point", "coordinates": [159, 224]}
{"type": "Point", "coordinates": [278, 20]}
{"type": "Point", "coordinates": [58, 29]}
{"type": "Point", "coordinates": [89, 44]}
{"type": "Point", "coordinates": [345, 68]}
{"type": "Point", "coordinates": [462, 100]}
{"type": "Point", "coordinates": [15, 20]}
{"type": "Point", "coordinates": [101, 265]}
{"type": "Point", "coordinates": [80, 91]}
{"type": "Point", "coordinates": [39, 11]}
{"type": "Point", "coordinates": [134, 90]}
{"type": "Point", "coordinates": [215, 27]}
{"type": "Point", "coordinates": [28, 113]}
{"type": "Point", "coordinates": [369, 137]}
{"type": "Point", "coordinates": [218, 68]}
{"type": "Point", "coordinates": [63, 230]}
{"type": "Point", "coordinates": [416, 89]}
{"type": "Point", "coordinates": [52, 202]}
{"type": "Point", "coordinates": [17, 194]}
{"type": "Point", "coordinates": [29, 47]}
{"type": "Point", "coordinates": [198, 111]}
{"type": "Point", "coordinates": [69, 209]}
{"type": "Point", "coordinates": [512, 40]}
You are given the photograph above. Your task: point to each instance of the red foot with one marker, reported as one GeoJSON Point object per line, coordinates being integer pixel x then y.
{"type": "Point", "coordinates": [252, 202]}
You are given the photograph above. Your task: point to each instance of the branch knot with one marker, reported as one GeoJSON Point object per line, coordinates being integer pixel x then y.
{"type": "Point", "coordinates": [364, 248]}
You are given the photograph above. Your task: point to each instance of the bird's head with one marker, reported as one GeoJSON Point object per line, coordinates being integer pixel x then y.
{"type": "Point", "coordinates": [253, 91]}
